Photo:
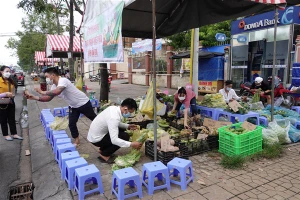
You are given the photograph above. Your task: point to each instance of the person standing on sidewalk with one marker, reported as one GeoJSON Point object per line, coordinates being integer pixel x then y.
{"type": "Point", "coordinates": [78, 102]}
{"type": "Point", "coordinates": [7, 111]}
{"type": "Point", "coordinates": [108, 132]}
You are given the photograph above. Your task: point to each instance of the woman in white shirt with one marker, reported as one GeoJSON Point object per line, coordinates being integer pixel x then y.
{"type": "Point", "coordinates": [228, 93]}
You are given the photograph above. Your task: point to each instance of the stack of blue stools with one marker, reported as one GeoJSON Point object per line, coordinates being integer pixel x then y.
{"type": "Point", "coordinates": [150, 171]}
{"type": "Point", "coordinates": [74, 169]}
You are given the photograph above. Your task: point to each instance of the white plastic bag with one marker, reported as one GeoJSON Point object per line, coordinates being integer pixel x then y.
{"type": "Point", "coordinates": [278, 101]}
{"type": "Point", "coordinates": [281, 128]}
{"type": "Point", "coordinates": [269, 136]}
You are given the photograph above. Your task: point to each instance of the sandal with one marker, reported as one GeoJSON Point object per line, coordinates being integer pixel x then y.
{"type": "Point", "coordinates": [9, 139]}
{"type": "Point", "coordinates": [17, 137]}
{"type": "Point", "coordinates": [109, 161]}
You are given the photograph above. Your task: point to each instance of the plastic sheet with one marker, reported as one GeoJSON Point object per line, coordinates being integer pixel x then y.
{"type": "Point", "coordinates": [294, 134]}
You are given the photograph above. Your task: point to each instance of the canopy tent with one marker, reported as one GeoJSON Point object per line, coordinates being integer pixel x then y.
{"type": "Point", "coordinates": [41, 60]}
{"type": "Point", "coordinates": [202, 55]}
{"type": "Point", "coordinates": [174, 16]}
{"type": "Point", "coordinates": [57, 46]}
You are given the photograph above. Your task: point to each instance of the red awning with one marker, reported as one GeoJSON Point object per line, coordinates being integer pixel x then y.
{"type": "Point", "coordinates": [40, 58]}
{"type": "Point", "coordinates": [58, 46]}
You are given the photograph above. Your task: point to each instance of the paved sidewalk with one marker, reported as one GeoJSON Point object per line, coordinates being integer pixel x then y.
{"type": "Point", "coordinates": [267, 179]}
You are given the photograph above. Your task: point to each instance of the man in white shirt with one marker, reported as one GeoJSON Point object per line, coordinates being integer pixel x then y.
{"type": "Point", "coordinates": [78, 102]}
{"type": "Point", "coordinates": [108, 132]}
{"type": "Point", "coordinates": [228, 93]}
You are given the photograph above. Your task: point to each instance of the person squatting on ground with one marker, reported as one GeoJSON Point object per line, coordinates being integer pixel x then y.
{"type": "Point", "coordinates": [108, 132]}
{"type": "Point", "coordinates": [78, 102]}
{"type": "Point", "coordinates": [7, 111]}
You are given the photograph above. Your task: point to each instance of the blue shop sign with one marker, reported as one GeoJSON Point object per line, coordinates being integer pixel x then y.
{"type": "Point", "coordinates": [220, 37]}
{"type": "Point", "coordinates": [266, 20]}
{"type": "Point", "coordinates": [241, 39]}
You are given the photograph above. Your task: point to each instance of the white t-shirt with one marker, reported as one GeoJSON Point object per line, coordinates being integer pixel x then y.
{"type": "Point", "coordinates": [108, 122]}
{"type": "Point", "coordinates": [71, 94]}
{"type": "Point", "coordinates": [231, 95]}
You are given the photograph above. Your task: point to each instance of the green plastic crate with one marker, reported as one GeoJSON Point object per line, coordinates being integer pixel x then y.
{"type": "Point", "coordinates": [245, 144]}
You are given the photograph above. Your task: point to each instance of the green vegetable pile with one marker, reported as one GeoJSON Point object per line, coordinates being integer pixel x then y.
{"type": "Point", "coordinates": [131, 158]}
{"type": "Point", "coordinates": [163, 123]}
{"type": "Point", "coordinates": [169, 98]}
{"type": "Point", "coordinates": [242, 110]}
{"type": "Point", "coordinates": [256, 97]}
{"type": "Point", "coordinates": [214, 101]}
{"type": "Point", "coordinates": [238, 130]}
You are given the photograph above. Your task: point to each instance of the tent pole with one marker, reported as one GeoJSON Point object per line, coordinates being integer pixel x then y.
{"type": "Point", "coordinates": [195, 65]}
{"type": "Point", "coordinates": [192, 55]}
{"type": "Point", "coordinates": [154, 77]}
{"type": "Point", "coordinates": [274, 63]}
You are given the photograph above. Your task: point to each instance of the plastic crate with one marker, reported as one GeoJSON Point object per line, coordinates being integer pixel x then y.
{"type": "Point", "coordinates": [142, 124]}
{"type": "Point", "coordinates": [245, 144]}
{"type": "Point", "coordinates": [165, 157]}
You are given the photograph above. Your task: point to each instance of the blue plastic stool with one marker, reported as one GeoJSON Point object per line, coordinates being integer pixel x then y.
{"type": "Point", "coordinates": [95, 103]}
{"type": "Point", "coordinates": [152, 170]}
{"type": "Point", "coordinates": [84, 174]}
{"type": "Point", "coordinates": [180, 166]}
{"type": "Point", "coordinates": [63, 148]}
{"type": "Point", "coordinates": [241, 118]}
{"type": "Point", "coordinates": [47, 131]}
{"type": "Point", "coordinates": [124, 177]}
{"type": "Point", "coordinates": [59, 142]}
{"type": "Point", "coordinates": [296, 108]}
{"type": "Point", "coordinates": [55, 133]}
{"type": "Point", "coordinates": [58, 112]}
{"type": "Point", "coordinates": [56, 137]}
{"type": "Point", "coordinates": [70, 167]}
{"type": "Point", "coordinates": [211, 112]}
{"type": "Point", "coordinates": [263, 121]}
{"type": "Point", "coordinates": [66, 111]}
{"type": "Point", "coordinates": [65, 157]}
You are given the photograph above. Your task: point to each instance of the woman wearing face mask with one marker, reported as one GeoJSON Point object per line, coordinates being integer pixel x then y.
{"type": "Point", "coordinates": [228, 93]}
{"type": "Point", "coordinates": [7, 111]}
{"type": "Point", "coordinates": [188, 98]}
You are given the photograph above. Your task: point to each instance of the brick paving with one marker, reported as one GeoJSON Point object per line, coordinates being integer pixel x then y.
{"type": "Point", "coordinates": [266, 179]}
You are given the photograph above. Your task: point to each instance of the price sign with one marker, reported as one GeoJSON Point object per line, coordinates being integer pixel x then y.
{"type": "Point", "coordinates": [248, 126]}
{"type": "Point", "coordinates": [234, 105]}
{"type": "Point", "coordinates": [209, 123]}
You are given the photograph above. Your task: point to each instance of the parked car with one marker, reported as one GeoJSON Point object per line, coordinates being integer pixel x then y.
{"type": "Point", "coordinates": [21, 80]}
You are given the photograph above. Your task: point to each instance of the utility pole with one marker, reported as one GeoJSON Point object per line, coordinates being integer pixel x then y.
{"type": "Point", "coordinates": [70, 54]}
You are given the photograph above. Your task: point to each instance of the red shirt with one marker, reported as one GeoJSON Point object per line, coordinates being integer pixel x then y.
{"type": "Point", "coordinates": [189, 95]}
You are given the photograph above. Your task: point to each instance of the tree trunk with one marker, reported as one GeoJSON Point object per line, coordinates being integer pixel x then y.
{"type": "Point", "coordinates": [104, 82]}
{"type": "Point", "coordinates": [71, 61]}
{"type": "Point", "coordinates": [58, 32]}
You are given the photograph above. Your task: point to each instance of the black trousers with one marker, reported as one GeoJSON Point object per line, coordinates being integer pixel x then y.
{"type": "Point", "coordinates": [106, 146]}
{"type": "Point", "coordinates": [74, 114]}
{"type": "Point", "coordinates": [7, 116]}
{"type": "Point", "coordinates": [193, 106]}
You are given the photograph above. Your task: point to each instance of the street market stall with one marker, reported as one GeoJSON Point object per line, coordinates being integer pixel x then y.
{"type": "Point", "coordinates": [42, 60]}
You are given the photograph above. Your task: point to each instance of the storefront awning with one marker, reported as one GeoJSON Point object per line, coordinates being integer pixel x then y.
{"type": "Point", "coordinates": [57, 46]}
{"type": "Point", "coordinates": [40, 59]}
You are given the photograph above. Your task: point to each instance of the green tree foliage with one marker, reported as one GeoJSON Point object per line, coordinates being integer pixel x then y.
{"type": "Point", "coordinates": [180, 40]}
{"type": "Point", "coordinates": [207, 34]}
{"type": "Point", "coordinates": [32, 38]}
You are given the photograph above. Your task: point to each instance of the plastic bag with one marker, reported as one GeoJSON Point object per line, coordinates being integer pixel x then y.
{"type": "Point", "coordinates": [269, 136]}
{"type": "Point", "coordinates": [278, 101]}
{"type": "Point", "coordinates": [294, 134]}
{"type": "Point", "coordinates": [281, 128]}
{"type": "Point", "coordinates": [148, 105]}
{"type": "Point", "coordinates": [256, 106]}
{"type": "Point", "coordinates": [79, 83]}
{"type": "Point", "coordinates": [59, 123]}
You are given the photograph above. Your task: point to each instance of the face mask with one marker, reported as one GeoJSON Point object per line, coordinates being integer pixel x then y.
{"type": "Point", "coordinates": [126, 115]}
{"type": "Point", "coordinates": [181, 98]}
{"type": "Point", "coordinates": [6, 74]}
{"type": "Point", "coordinates": [48, 81]}
{"type": "Point", "coordinates": [228, 89]}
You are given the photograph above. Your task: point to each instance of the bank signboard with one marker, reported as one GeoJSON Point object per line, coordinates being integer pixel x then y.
{"type": "Point", "coordinates": [266, 20]}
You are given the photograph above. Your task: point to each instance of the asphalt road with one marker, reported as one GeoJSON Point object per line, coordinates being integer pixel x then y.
{"type": "Point", "coordinates": [10, 154]}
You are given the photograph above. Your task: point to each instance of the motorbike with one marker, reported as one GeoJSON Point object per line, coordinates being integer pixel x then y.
{"type": "Point", "coordinates": [287, 99]}
{"type": "Point", "coordinates": [95, 78]}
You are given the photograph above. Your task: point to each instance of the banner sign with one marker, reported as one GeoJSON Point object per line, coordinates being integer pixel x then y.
{"type": "Point", "coordinates": [266, 20]}
{"type": "Point", "coordinates": [145, 45]}
{"type": "Point", "coordinates": [103, 36]}
{"type": "Point", "coordinates": [186, 64]}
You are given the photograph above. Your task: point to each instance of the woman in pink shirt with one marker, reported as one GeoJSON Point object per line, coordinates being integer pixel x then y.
{"type": "Point", "coordinates": [188, 98]}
